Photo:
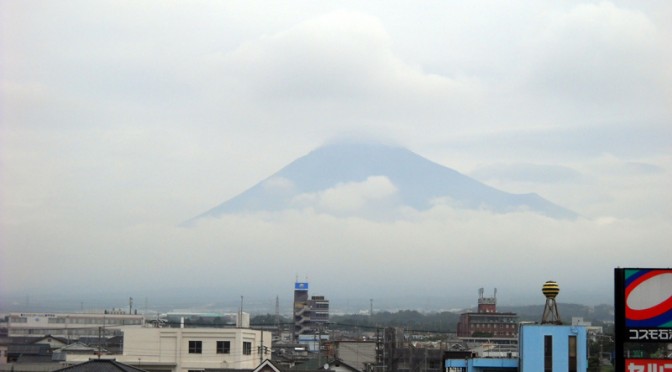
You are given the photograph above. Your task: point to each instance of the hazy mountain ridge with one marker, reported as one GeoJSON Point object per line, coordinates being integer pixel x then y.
{"type": "Point", "coordinates": [416, 182]}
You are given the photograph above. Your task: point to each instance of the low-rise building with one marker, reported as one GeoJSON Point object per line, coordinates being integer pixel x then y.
{"type": "Point", "coordinates": [542, 348]}
{"type": "Point", "coordinates": [188, 349]}
{"type": "Point", "coordinates": [594, 332]}
{"type": "Point", "coordinates": [70, 326]}
{"type": "Point", "coordinates": [359, 354]}
{"type": "Point", "coordinates": [101, 365]}
{"type": "Point", "coordinates": [486, 322]}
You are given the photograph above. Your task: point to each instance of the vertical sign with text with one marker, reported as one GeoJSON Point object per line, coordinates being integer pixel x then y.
{"type": "Point", "coordinates": [643, 314]}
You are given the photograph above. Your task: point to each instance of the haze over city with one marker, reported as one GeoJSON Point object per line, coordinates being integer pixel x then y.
{"type": "Point", "coordinates": [119, 121]}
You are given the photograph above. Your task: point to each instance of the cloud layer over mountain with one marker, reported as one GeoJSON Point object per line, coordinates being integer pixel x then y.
{"type": "Point", "coordinates": [378, 179]}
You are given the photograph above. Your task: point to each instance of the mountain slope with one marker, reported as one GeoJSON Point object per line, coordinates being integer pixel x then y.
{"type": "Point", "coordinates": [418, 183]}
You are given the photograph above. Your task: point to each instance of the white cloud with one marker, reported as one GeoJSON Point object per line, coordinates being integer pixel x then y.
{"type": "Point", "coordinates": [278, 185]}
{"type": "Point", "coordinates": [351, 196]}
{"type": "Point", "coordinates": [516, 252]}
{"type": "Point", "coordinates": [337, 73]}
{"type": "Point", "coordinates": [605, 56]}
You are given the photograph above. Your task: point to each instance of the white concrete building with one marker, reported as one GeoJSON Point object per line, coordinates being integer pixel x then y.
{"type": "Point", "coordinates": [71, 325]}
{"type": "Point", "coordinates": [193, 349]}
{"type": "Point", "coordinates": [592, 330]}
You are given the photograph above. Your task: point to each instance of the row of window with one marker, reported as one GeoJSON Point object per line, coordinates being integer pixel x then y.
{"type": "Point", "coordinates": [490, 325]}
{"type": "Point", "coordinates": [221, 347]}
{"type": "Point", "coordinates": [81, 320]}
{"type": "Point", "coordinates": [64, 332]}
{"type": "Point", "coordinates": [96, 321]}
{"type": "Point", "coordinates": [492, 320]}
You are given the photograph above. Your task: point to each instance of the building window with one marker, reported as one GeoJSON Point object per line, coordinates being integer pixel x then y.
{"type": "Point", "coordinates": [223, 347]}
{"type": "Point", "coordinates": [572, 354]}
{"type": "Point", "coordinates": [247, 348]}
{"type": "Point", "coordinates": [548, 353]}
{"type": "Point", "coordinates": [195, 347]}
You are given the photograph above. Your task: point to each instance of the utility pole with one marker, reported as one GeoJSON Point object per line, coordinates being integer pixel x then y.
{"type": "Point", "coordinates": [319, 346]}
{"type": "Point", "coordinates": [261, 349]}
{"type": "Point", "coordinates": [277, 315]}
{"type": "Point", "coordinates": [410, 352]}
{"type": "Point", "coordinates": [424, 364]}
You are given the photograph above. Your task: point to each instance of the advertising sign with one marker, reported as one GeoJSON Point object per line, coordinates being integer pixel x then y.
{"type": "Point", "coordinates": [301, 286]}
{"type": "Point", "coordinates": [648, 304]}
{"type": "Point", "coordinates": [648, 365]}
{"type": "Point", "coordinates": [643, 314]}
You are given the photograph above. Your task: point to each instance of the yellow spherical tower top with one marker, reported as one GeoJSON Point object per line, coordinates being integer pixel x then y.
{"type": "Point", "coordinates": [550, 289]}
{"type": "Point", "coordinates": [551, 315]}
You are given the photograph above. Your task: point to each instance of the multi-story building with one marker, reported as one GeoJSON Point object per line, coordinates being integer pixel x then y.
{"type": "Point", "coordinates": [549, 346]}
{"type": "Point", "coordinates": [189, 349]}
{"type": "Point", "coordinates": [487, 322]}
{"type": "Point", "coordinates": [543, 347]}
{"type": "Point", "coordinates": [310, 314]}
{"type": "Point", "coordinates": [71, 326]}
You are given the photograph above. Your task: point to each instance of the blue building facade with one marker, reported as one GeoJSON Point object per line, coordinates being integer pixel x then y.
{"type": "Point", "coordinates": [542, 348]}
{"type": "Point", "coordinates": [553, 348]}
{"type": "Point", "coordinates": [482, 364]}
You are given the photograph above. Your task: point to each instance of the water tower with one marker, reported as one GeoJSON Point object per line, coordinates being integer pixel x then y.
{"type": "Point", "coordinates": [551, 315]}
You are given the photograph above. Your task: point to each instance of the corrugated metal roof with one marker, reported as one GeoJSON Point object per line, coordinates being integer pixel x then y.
{"type": "Point", "coordinates": [101, 365]}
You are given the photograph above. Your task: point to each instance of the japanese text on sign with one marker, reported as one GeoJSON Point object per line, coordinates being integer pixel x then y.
{"type": "Point", "coordinates": [648, 365]}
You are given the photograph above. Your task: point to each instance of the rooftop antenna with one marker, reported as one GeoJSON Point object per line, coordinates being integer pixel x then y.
{"type": "Point", "coordinates": [551, 315]}
{"type": "Point", "coordinates": [240, 314]}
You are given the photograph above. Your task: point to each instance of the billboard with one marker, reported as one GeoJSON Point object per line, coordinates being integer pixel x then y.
{"type": "Point", "coordinates": [648, 365]}
{"type": "Point", "coordinates": [300, 286]}
{"type": "Point", "coordinates": [643, 312]}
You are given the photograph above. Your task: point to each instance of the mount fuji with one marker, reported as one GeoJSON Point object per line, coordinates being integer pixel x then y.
{"type": "Point", "coordinates": [348, 176]}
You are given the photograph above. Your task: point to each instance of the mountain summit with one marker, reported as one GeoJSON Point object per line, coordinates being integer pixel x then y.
{"type": "Point", "coordinates": [342, 177]}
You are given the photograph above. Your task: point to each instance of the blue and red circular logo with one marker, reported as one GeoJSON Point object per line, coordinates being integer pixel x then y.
{"type": "Point", "coordinates": [648, 298]}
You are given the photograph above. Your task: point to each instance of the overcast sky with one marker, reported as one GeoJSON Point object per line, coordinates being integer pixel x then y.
{"type": "Point", "coordinates": [121, 119]}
